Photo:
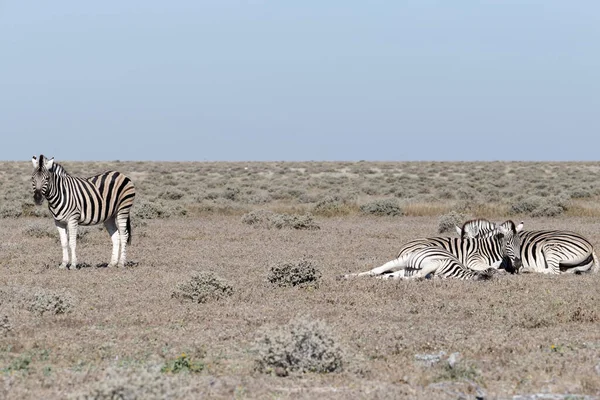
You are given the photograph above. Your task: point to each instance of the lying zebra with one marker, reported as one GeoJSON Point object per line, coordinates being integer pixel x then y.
{"type": "Point", "coordinates": [545, 251]}
{"type": "Point", "coordinates": [463, 258]}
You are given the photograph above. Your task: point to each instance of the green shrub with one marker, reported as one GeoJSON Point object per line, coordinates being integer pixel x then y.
{"type": "Point", "coordinates": [301, 346]}
{"type": "Point", "coordinates": [385, 207]}
{"type": "Point", "coordinates": [203, 287]}
{"type": "Point", "coordinates": [303, 273]}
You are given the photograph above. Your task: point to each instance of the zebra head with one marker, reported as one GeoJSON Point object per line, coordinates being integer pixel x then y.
{"type": "Point", "coordinates": [41, 177]}
{"type": "Point", "coordinates": [508, 233]}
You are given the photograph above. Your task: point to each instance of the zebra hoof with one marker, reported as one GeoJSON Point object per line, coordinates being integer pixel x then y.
{"type": "Point", "coordinates": [62, 266]}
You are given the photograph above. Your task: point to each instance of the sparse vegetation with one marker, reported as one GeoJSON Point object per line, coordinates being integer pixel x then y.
{"type": "Point", "coordinates": [269, 219]}
{"type": "Point", "coordinates": [517, 335]}
{"type": "Point", "coordinates": [385, 207]}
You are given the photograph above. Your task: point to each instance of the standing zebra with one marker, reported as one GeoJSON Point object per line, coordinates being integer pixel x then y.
{"type": "Point", "coordinates": [545, 251]}
{"type": "Point", "coordinates": [74, 201]}
{"type": "Point", "coordinates": [453, 257]}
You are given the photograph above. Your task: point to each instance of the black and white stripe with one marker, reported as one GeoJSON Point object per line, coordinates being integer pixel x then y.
{"type": "Point", "coordinates": [498, 246]}
{"type": "Point", "coordinates": [547, 251]}
{"type": "Point", "coordinates": [453, 257]}
{"type": "Point", "coordinates": [74, 201]}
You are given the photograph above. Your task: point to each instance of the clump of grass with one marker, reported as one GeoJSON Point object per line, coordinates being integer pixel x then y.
{"type": "Point", "coordinates": [303, 274]}
{"type": "Point", "coordinates": [44, 301]}
{"type": "Point", "coordinates": [203, 287]}
{"type": "Point", "coordinates": [171, 194]}
{"type": "Point", "coordinates": [384, 207]}
{"type": "Point", "coordinates": [301, 346]}
{"type": "Point", "coordinates": [448, 222]}
{"type": "Point", "coordinates": [182, 363]}
{"type": "Point", "coordinates": [280, 221]}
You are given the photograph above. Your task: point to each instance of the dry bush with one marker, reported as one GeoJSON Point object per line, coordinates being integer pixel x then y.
{"type": "Point", "coordinates": [448, 222]}
{"type": "Point", "coordinates": [301, 346]}
{"type": "Point", "coordinates": [270, 219]}
{"type": "Point", "coordinates": [45, 301]}
{"type": "Point", "coordinates": [384, 207]}
{"type": "Point", "coordinates": [303, 274]}
{"type": "Point", "coordinates": [203, 287]}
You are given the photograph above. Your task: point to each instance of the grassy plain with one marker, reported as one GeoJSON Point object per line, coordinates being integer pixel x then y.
{"type": "Point", "coordinates": [120, 331]}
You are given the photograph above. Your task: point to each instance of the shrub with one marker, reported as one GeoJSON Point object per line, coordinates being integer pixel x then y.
{"type": "Point", "coordinates": [385, 207]}
{"type": "Point", "coordinates": [44, 301]}
{"type": "Point", "coordinates": [303, 274]}
{"type": "Point", "coordinates": [447, 222]}
{"type": "Point", "coordinates": [149, 210]}
{"type": "Point", "coordinates": [280, 221]}
{"type": "Point", "coordinates": [171, 194]}
{"type": "Point", "coordinates": [301, 346]}
{"type": "Point", "coordinates": [202, 287]}
{"type": "Point", "coordinates": [540, 207]}
{"type": "Point", "coordinates": [332, 206]}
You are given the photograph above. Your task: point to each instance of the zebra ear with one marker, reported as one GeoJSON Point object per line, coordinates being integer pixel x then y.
{"type": "Point", "coordinates": [35, 162]}
{"type": "Point", "coordinates": [49, 164]}
{"type": "Point", "coordinates": [519, 227]}
{"type": "Point", "coordinates": [458, 230]}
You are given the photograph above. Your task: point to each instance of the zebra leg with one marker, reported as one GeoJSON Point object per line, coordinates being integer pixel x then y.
{"type": "Point", "coordinates": [123, 236]}
{"type": "Point", "coordinates": [428, 266]}
{"type": "Point", "coordinates": [113, 232]}
{"type": "Point", "coordinates": [72, 233]}
{"type": "Point", "coordinates": [64, 242]}
{"type": "Point", "coordinates": [390, 266]}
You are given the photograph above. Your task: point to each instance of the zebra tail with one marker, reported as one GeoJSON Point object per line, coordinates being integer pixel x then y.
{"type": "Point", "coordinates": [129, 230]}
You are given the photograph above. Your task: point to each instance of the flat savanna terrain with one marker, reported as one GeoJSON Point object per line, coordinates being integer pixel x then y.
{"type": "Point", "coordinates": [96, 332]}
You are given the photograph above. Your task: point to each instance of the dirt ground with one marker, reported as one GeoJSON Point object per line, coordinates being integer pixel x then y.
{"type": "Point", "coordinates": [515, 335]}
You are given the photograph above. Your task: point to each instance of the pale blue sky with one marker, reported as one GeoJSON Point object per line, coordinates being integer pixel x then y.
{"type": "Point", "coordinates": [300, 80]}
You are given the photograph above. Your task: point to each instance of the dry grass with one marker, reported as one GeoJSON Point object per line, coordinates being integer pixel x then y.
{"type": "Point", "coordinates": [515, 335]}
{"type": "Point", "coordinates": [126, 335]}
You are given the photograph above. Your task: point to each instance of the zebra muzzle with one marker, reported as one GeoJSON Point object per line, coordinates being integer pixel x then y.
{"type": "Point", "coordinates": [37, 197]}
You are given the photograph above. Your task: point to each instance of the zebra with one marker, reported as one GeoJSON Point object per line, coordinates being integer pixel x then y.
{"type": "Point", "coordinates": [545, 251]}
{"type": "Point", "coordinates": [74, 201]}
{"type": "Point", "coordinates": [450, 254]}
{"type": "Point", "coordinates": [463, 249]}
{"type": "Point", "coordinates": [427, 262]}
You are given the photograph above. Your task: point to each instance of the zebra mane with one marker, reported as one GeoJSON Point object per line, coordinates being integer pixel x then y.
{"type": "Point", "coordinates": [41, 162]}
{"type": "Point", "coordinates": [474, 222]}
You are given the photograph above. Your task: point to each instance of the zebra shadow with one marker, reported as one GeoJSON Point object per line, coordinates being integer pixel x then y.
{"type": "Point", "coordinates": [104, 265]}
